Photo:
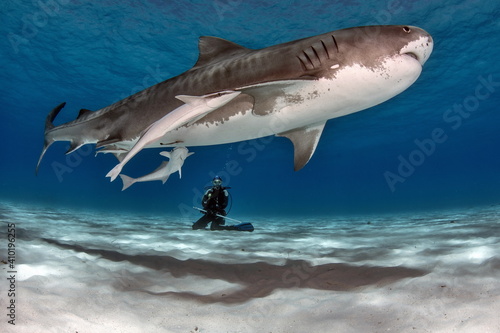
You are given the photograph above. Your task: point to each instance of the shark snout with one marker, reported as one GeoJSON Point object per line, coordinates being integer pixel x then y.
{"type": "Point", "coordinates": [420, 47]}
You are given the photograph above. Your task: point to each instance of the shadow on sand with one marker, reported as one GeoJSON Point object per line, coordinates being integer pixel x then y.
{"type": "Point", "coordinates": [258, 279]}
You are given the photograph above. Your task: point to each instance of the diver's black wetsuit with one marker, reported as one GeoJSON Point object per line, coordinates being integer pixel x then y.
{"type": "Point", "coordinates": [214, 202]}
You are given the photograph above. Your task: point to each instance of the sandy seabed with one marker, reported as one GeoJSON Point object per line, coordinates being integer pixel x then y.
{"type": "Point", "coordinates": [102, 272]}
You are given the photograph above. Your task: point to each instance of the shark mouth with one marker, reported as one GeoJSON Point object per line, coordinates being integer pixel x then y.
{"type": "Point", "coordinates": [413, 55]}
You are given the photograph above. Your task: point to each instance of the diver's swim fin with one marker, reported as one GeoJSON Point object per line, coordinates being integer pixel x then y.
{"type": "Point", "coordinates": [243, 227]}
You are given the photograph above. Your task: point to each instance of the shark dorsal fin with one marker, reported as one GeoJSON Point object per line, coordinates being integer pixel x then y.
{"type": "Point", "coordinates": [305, 140]}
{"type": "Point", "coordinates": [214, 49]}
{"type": "Point", "coordinates": [83, 112]}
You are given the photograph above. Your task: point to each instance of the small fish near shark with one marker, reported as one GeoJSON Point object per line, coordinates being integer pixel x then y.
{"type": "Point", "coordinates": [194, 109]}
{"type": "Point", "coordinates": [233, 94]}
{"type": "Point", "coordinates": [176, 159]}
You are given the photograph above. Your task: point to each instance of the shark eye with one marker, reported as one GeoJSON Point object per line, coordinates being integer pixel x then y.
{"type": "Point", "coordinates": [407, 29]}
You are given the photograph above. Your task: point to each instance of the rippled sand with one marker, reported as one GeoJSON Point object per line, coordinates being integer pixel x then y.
{"type": "Point", "coordinates": [102, 272]}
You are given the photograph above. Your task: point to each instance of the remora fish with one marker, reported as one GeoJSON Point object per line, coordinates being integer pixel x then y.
{"type": "Point", "coordinates": [177, 157]}
{"type": "Point", "coordinates": [195, 108]}
{"type": "Point", "coordinates": [289, 90]}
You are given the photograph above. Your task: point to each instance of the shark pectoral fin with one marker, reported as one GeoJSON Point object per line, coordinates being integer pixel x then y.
{"type": "Point", "coordinates": [166, 154]}
{"type": "Point", "coordinates": [305, 140]}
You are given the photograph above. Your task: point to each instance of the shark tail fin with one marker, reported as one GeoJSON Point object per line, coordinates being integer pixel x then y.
{"type": "Point", "coordinates": [127, 181]}
{"type": "Point", "coordinates": [49, 125]}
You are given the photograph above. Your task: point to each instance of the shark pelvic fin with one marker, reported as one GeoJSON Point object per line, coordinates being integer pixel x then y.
{"type": "Point", "coordinates": [106, 142]}
{"type": "Point", "coordinates": [305, 140]}
{"type": "Point", "coordinates": [164, 179]}
{"type": "Point", "coordinates": [213, 49]}
{"type": "Point", "coordinates": [74, 146]}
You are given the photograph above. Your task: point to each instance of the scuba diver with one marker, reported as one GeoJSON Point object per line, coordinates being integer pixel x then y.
{"type": "Point", "coordinates": [214, 204]}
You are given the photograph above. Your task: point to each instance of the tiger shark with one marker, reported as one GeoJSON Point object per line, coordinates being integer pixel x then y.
{"type": "Point", "coordinates": [289, 90]}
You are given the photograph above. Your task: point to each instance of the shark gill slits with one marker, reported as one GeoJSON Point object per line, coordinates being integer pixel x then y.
{"type": "Point", "coordinates": [316, 54]}
{"type": "Point", "coordinates": [326, 49]}
{"type": "Point", "coordinates": [313, 57]}
{"type": "Point", "coordinates": [307, 64]}
{"type": "Point", "coordinates": [335, 43]}
{"type": "Point", "coordinates": [321, 51]}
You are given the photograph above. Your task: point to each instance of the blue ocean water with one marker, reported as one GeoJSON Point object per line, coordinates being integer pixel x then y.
{"type": "Point", "coordinates": [386, 228]}
{"type": "Point", "coordinates": [91, 55]}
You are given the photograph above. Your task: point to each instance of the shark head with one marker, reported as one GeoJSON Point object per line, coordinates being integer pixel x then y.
{"type": "Point", "coordinates": [368, 47]}
{"type": "Point", "coordinates": [177, 154]}
{"type": "Point", "coordinates": [368, 64]}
